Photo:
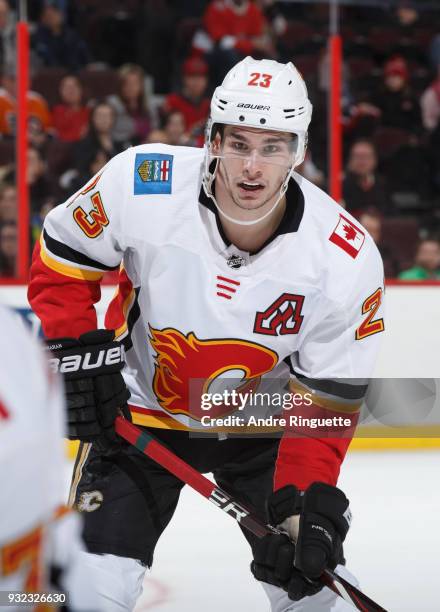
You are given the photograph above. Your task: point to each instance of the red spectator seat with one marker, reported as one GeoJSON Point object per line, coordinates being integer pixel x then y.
{"type": "Point", "coordinates": [401, 236]}
{"type": "Point", "coordinates": [7, 152]}
{"type": "Point", "coordinates": [58, 157]}
{"type": "Point", "coordinates": [109, 7]}
{"type": "Point", "coordinates": [185, 31]}
{"type": "Point", "coordinates": [423, 35]}
{"type": "Point", "coordinates": [348, 32]}
{"type": "Point", "coordinates": [99, 83]}
{"type": "Point", "coordinates": [389, 140]}
{"type": "Point", "coordinates": [383, 40]}
{"type": "Point", "coordinates": [360, 66]}
{"type": "Point", "coordinates": [307, 64]}
{"type": "Point", "coordinates": [46, 83]}
{"type": "Point", "coordinates": [296, 34]}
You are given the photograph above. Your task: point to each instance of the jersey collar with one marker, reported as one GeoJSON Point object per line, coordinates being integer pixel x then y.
{"type": "Point", "coordinates": [289, 223]}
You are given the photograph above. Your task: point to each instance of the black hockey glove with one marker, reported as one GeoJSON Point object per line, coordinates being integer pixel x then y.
{"type": "Point", "coordinates": [317, 520]}
{"type": "Point", "coordinates": [274, 557]}
{"type": "Point", "coordinates": [95, 389]}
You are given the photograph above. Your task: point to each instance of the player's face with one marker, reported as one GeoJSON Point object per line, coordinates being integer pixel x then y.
{"type": "Point", "coordinates": [253, 164]}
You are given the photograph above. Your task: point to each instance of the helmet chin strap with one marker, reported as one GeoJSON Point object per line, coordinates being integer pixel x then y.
{"type": "Point", "coordinates": [207, 188]}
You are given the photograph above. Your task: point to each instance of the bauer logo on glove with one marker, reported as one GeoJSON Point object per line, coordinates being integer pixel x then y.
{"type": "Point", "coordinates": [95, 388]}
{"type": "Point", "coordinates": [92, 360]}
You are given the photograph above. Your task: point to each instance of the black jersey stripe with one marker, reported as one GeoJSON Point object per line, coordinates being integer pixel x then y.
{"type": "Point", "coordinates": [333, 387]}
{"type": "Point", "coordinates": [66, 252]}
{"type": "Point", "coordinates": [133, 316]}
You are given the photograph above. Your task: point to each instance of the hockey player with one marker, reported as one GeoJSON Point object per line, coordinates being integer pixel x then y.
{"type": "Point", "coordinates": [40, 543]}
{"type": "Point", "coordinates": [232, 265]}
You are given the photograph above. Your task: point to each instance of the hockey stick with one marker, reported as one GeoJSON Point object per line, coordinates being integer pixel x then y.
{"type": "Point", "coordinates": [150, 447]}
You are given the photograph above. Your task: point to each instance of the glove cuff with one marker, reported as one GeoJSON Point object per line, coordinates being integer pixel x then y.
{"type": "Point", "coordinates": [92, 354]}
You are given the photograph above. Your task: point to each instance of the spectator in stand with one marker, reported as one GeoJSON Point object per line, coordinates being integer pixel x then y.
{"type": "Point", "coordinates": [157, 135]}
{"type": "Point", "coordinates": [8, 249]}
{"type": "Point", "coordinates": [434, 51]}
{"type": "Point", "coordinates": [399, 107]}
{"type": "Point", "coordinates": [38, 217]}
{"type": "Point", "coordinates": [99, 138]}
{"type": "Point", "coordinates": [372, 222]}
{"type": "Point", "coordinates": [40, 118]}
{"type": "Point", "coordinates": [430, 104]}
{"type": "Point", "coordinates": [407, 15]}
{"type": "Point", "coordinates": [96, 164]}
{"type": "Point", "coordinates": [236, 28]}
{"type": "Point", "coordinates": [8, 203]}
{"type": "Point", "coordinates": [426, 262]}
{"type": "Point", "coordinates": [310, 171]}
{"type": "Point", "coordinates": [363, 188]}
{"type": "Point", "coordinates": [174, 129]}
{"type": "Point", "coordinates": [71, 116]}
{"type": "Point", "coordinates": [155, 37]}
{"type": "Point", "coordinates": [72, 180]}
{"type": "Point", "coordinates": [7, 37]}
{"type": "Point", "coordinates": [430, 111]}
{"type": "Point", "coordinates": [55, 44]}
{"type": "Point", "coordinates": [40, 185]}
{"type": "Point", "coordinates": [192, 101]}
{"type": "Point", "coordinates": [132, 114]}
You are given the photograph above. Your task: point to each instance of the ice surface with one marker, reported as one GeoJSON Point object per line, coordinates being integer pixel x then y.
{"type": "Point", "coordinates": [393, 546]}
{"type": "Point", "coordinates": [201, 562]}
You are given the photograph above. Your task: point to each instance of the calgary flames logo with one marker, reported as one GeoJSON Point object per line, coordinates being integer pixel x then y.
{"type": "Point", "coordinates": [186, 367]}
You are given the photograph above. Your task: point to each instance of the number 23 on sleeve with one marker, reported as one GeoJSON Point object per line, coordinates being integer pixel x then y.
{"type": "Point", "coordinates": [92, 223]}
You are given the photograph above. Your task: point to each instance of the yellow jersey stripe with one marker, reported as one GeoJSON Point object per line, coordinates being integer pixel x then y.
{"type": "Point", "coordinates": [128, 303]}
{"type": "Point", "coordinates": [67, 270]}
{"type": "Point", "coordinates": [325, 402]}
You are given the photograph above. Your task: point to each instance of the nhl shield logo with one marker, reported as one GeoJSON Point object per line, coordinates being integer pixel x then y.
{"type": "Point", "coordinates": [153, 173]}
{"type": "Point", "coordinates": [236, 261]}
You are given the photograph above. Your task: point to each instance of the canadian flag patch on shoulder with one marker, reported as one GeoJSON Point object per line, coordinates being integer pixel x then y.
{"type": "Point", "coordinates": [348, 236]}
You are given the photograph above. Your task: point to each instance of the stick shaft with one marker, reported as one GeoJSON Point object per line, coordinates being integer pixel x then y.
{"type": "Point", "coordinates": [150, 447]}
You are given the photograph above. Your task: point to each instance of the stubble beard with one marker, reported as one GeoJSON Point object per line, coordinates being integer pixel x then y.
{"type": "Point", "coordinates": [237, 202]}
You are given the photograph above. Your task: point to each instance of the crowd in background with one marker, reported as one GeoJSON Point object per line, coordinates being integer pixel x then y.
{"type": "Point", "coordinates": [109, 75]}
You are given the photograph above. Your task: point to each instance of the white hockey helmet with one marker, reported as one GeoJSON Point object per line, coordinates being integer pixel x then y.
{"type": "Point", "coordinates": [261, 94]}
{"type": "Point", "coordinates": [264, 94]}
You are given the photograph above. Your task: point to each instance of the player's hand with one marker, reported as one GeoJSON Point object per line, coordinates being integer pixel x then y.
{"type": "Point", "coordinates": [95, 389]}
{"type": "Point", "coordinates": [317, 520]}
{"type": "Point", "coordinates": [274, 557]}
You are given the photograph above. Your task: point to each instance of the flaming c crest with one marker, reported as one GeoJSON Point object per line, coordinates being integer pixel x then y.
{"type": "Point", "coordinates": [186, 365]}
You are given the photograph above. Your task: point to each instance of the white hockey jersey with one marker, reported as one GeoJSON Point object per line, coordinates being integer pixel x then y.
{"type": "Point", "coordinates": [193, 308]}
{"type": "Point", "coordinates": [36, 531]}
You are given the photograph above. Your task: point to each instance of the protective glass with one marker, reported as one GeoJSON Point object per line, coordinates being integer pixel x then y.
{"type": "Point", "coordinates": [276, 151]}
